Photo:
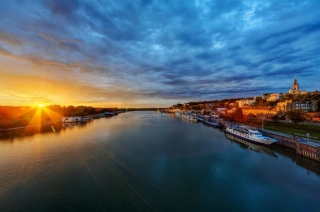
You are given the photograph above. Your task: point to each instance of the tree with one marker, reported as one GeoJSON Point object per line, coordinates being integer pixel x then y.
{"type": "Point", "coordinates": [289, 96]}
{"type": "Point", "coordinates": [272, 103]}
{"type": "Point", "coordinates": [259, 102]}
{"type": "Point", "coordinates": [238, 115]}
{"type": "Point", "coordinates": [276, 119]}
{"type": "Point", "coordinates": [296, 116]}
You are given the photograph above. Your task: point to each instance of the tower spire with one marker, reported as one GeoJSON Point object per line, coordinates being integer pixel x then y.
{"type": "Point", "coordinates": [295, 86]}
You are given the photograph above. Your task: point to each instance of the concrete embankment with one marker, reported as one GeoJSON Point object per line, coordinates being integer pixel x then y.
{"type": "Point", "coordinates": [302, 146]}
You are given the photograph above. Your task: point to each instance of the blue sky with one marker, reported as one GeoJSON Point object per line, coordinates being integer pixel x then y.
{"type": "Point", "coordinates": [155, 53]}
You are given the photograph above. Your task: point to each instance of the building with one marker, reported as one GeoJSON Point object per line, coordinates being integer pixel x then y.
{"type": "Point", "coordinates": [265, 96]}
{"type": "Point", "coordinates": [273, 97]}
{"type": "Point", "coordinates": [295, 88]}
{"type": "Point", "coordinates": [258, 110]}
{"type": "Point", "coordinates": [245, 102]}
{"type": "Point", "coordinates": [295, 105]}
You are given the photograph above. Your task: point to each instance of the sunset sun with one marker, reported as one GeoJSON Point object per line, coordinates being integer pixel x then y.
{"type": "Point", "coordinates": [41, 105]}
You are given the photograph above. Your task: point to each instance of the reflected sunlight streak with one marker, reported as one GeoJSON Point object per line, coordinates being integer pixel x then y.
{"type": "Point", "coordinates": [42, 115]}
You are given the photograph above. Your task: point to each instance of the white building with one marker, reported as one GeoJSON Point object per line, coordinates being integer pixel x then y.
{"type": "Point", "coordinates": [273, 97]}
{"type": "Point", "coordinates": [244, 102]}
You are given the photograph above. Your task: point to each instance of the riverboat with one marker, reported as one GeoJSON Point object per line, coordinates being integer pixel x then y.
{"type": "Point", "coordinates": [211, 122]}
{"type": "Point", "coordinates": [193, 118]}
{"type": "Point", "coordinates": [178, 114]}
{"type": "Point", "coordinates": [85, 118]}
{"type": "Point", "coordinates": [249, 134]}
{"type": "Point", "coordinates": [189, 117]}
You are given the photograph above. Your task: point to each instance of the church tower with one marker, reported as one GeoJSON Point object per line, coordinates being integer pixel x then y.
{"type": "Point", "coordinates": [295, 86]}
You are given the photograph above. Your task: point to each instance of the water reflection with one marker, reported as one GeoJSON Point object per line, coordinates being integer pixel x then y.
{"type": "Point", "coordinates": [73, 124]}
{"type": "Point", "coordinates": [144, 161]}
{"type": "Point", "coordinates": [305, 162]}
{"type": "Point", "coordinates": [251, 146]}
{"type": "Point", "coordinates": [12, 135]}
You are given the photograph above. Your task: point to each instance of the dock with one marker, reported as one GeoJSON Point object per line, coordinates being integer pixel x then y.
{"type": "Point", "coordinates": [302, 146]}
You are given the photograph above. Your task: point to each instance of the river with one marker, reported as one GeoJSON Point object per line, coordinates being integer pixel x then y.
{"type": "Point", "coordinates": [148, 161]}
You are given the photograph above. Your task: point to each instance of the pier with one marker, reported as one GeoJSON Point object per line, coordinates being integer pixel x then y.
{"type": "Point", "coordinates": [305, 147]}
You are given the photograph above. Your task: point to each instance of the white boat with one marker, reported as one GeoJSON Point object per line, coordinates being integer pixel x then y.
{"type": "Point", "coordinates": [189, 117]}
{"type": "Point", "coordinates": [85, 118]}
{"type": "Point", "coordinates": [249, 134]}
{"type": "Point", "coordinates": [185, 116]}
{"type": "Point", "coordinates": [193, 118]}
{"type": "Point", "coordinates": [178, 114]}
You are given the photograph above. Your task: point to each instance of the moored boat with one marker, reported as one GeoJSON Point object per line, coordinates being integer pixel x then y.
{"type": "Point", "coordinates": [71, 119]}
{"type": "Point", "coordinates": [249, 134]}
{"type": "Point", "coordinates": [188, 116]}
{"type": "Point", "coordinates": [211, 122]}
{"type": "Point", "coordinates": [185, 116]}
{"type": "Point", "coordinates": [178, 114]}
{"type": "Point", "coordinates": [193, 118]}
{"type": "Point", "coordinates": [85, 118]}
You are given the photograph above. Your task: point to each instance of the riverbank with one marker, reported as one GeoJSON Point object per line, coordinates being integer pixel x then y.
{"type": "Point", "coordinates": [303, 130]}
{"type": "Point", "coordinates": [304, 146]}
{"type": "Point", "coordinates": [29, 126]}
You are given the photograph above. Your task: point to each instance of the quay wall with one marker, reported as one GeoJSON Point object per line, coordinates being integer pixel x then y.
{"type": "Point", "coordinates": [308, 151]}
{"type": "Point", "coordinates": [301, 148]}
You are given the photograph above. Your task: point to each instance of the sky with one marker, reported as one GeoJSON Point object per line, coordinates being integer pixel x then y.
{"type": "Point", "coordinates": [155, 53]}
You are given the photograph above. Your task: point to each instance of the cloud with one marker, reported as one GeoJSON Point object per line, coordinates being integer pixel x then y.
{"type": "Point", "coordinates": [9, 39]}
{"type": "Point", "coordinates": [160, 50]}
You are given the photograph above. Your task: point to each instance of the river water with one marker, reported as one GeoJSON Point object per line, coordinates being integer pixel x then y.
{"type": "Point", "coordinates": [146, 161]}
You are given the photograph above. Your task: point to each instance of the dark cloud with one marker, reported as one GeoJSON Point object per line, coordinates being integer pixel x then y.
{"type": "Point", "coordinates": [170, 49]}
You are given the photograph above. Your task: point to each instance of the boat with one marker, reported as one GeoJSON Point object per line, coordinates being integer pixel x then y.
{"type": "Point", "coordinates": [189, 117]}
{"type": "Point", "coordinates": [249, 134]}
{"type": "Point", "coordinates": [211, 122]}
{"type": "Point", "coordinates": [71, 119]}
{"type": "Point", "coordinates": [185, 116]}
{"type": "Point", "coordinates": [178, 114]}
{"type": "Point", "coordinates": [200, 117]}
{"type": "Point", "coordinates": [85, 118]}
{"type": "Point", "coordinates": [108, 114]}
{"type": "Point", "coordinates": [193, 118]}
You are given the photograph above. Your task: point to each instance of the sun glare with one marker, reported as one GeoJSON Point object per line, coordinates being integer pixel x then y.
{"type": "Point", "coordinates": [41, 105]}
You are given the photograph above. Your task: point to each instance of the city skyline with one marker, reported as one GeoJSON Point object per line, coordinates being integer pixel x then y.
{"type": "Point", "coordinates": [155, 53]}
